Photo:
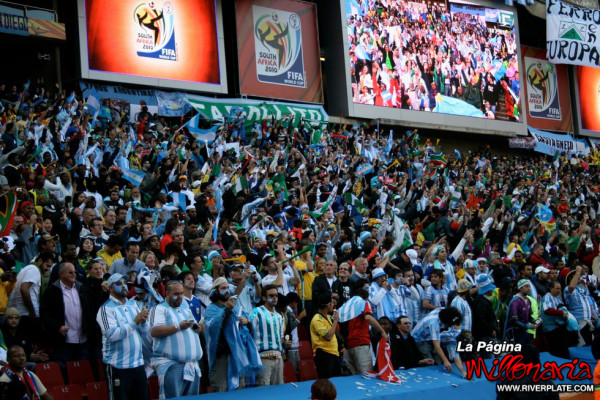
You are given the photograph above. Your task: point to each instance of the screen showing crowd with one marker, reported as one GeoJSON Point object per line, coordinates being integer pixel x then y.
{"type": "Point", "coordinates": [434, 56]}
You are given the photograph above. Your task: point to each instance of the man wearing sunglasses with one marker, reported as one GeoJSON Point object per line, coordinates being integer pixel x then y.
{"type": "Point", "coordinates": [123, 326]}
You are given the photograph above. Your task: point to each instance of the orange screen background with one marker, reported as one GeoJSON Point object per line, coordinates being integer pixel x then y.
{"type": "Point", "coordinates": [588, 80]}
{"type": "Point", "coordinates": [111, 36]}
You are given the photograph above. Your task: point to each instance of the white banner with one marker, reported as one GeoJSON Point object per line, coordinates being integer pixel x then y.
{"type": "Point", "coordinates": [572, 34]}
{"type": "Point", "coordinates": [550, 143]}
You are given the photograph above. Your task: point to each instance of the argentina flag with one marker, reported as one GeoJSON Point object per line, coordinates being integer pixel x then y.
{"type": "Point", "coordinates": [351, 309]}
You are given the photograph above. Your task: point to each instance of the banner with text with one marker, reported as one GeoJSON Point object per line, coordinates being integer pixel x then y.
{"type": "Point", "coordinates": [125, 100]}
{"type": "Point", "coordinates": [256, 110]}
{"type": "Point", "coordinates": [521, 143]}
{"type": "Point", "coordinates": [546, 91]}
{"type": "Point", "coordinates": [572, 34]}
{"type": "Point", "coordinates": [550, 143]}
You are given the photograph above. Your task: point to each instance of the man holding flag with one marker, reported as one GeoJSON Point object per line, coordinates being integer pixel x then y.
{"type": "Point", "coordinates": [231, 350]}
{"type": "Point", "coordinates": [356, 315]}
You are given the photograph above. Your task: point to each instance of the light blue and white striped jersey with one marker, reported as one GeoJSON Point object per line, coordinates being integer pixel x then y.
{"type": "Point", "coordinates": [413, 304]}
{"type": "Point", "coordinates": [465, 310]}
{"type": "Point", "coordinates": [551, 322]}
{"type": "Point", "coordinates": [428, 328]}
{"type": "Point", "coordinates": [448, 268]}
{"type": "Point", "coordinates": [382, 302]}
{"type": "Point", "coordinates": [436, 297]}
{"type": "Point", "coordinates": [351, 309]}
{"type": "Point", "coordinates": [448, 339]}
{"type": "Point", "coordinates": [399, 296]}
{"type": "Point", "coordinates": [182, 346]}
{"type": "Point", "coordinates": [268, 329]}
{"type": "Point", "coordinates": [549, 301]}
{"type": "Point", "coordinates": [534, 292]}
{"type": "Point", "coordinates": [121, 336]}
{"type": "Point", "coordinates": [578, 304]}
{"type": "Point", "coordinates": [248, 298]}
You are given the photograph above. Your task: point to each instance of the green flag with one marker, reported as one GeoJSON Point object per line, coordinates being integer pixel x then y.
{"type": "Point", "coordinates": [429, 232]}
{"type": "Point", "coordinates": [241, 183]}
{"type": "Point", "coordinates": [279, 182]}
{"type": "Point", "coordinates": [216, 171]}
{"type": "Point", "coordinates": [317, 214]}
{"type": "Point", "coordinates": [316, 136]}
{"type": "Point", "coordinates": [353, 201]}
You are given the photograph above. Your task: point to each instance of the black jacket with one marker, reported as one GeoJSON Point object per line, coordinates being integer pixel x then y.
{"type": "Point", "coordinates": [484, 318]}
{"type": "Point", "coordinates": [404, 351]}
{"type": "Point", "coordinates": [321, 286]}
{"type": "Point", "coordinates": [95, 297]}
{"type": "Point", "coordinates": [52, 311]}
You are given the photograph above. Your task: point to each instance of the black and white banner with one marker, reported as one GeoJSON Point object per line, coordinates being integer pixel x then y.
{"type": "Point", "coordinates": [572, 34]}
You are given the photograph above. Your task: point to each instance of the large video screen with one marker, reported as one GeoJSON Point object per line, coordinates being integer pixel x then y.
{"type": "Point", "coordinates": [173, 43]}
{"type": "Point", "coordinates": [588, 93]}
{"type": "Point", "coordinates": [443, 57]}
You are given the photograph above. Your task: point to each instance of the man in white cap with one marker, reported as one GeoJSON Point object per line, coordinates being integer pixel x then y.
{"type": "Point", "coordinates": [471, 272]}
{"type": "Point", "coordinates": [380, 297]}
{"type": "Point", "coordinates": [176, 348]}
{"type": "Point", "coordinates": [519, 315]}
{"type": "Point", "coordinates": [123, 326]}
{"type": "Point", "coordinates": [413, 256]}
{"type": "Point", "coordinates": [482, 266]}
{"type": "Point", "coordinates": [541, 282]}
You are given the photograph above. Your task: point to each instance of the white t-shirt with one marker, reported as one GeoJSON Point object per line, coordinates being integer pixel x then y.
{"type": "Point", "coordinates": [30, 273]}
{"type": "Point", "coordinates": [283, 289]}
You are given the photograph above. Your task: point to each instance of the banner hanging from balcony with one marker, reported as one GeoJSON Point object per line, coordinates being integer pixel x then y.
{"type": "Point", "coordinates": [572, 34]}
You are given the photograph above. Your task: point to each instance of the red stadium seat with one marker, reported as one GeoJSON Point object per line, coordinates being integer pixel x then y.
{"type": "Point", "coordinates": [67, 392]}
{"type": "Point", "coordinates": [289, 375]}
{"type": "Point", "coordinates": [305, 350]}
{"type": "Point", "coordinates": [50, 374]}
{"type": "Point", "coordinates": [101, 371]}
{"type": "Point", "coordinates": [303, 333]}
{"type": "Point", "coordinates": [97, 391]}
{"type": "Point", "coordinates": [307, 370]}
{"type": "Point", "coordinates": [80, 373]}
{"type": "Point", "coordinates": [153, 387]}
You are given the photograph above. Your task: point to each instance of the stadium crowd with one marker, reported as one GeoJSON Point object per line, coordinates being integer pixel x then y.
{"type": "Point", "coordinates": [405, 54]}
{"type": "Point", "coordinates": [212, 269]}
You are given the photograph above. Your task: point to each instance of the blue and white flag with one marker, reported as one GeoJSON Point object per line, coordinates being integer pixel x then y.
{"type": "Point", "coordinates": [182, 202]}
{"type": "Point", "coordinates": [219, 207]}
{"type": "Point", "coordinates": [450, 105]}
{"type": "Point", "coordinates": [351, 309]}
{"type": "Point", "coordinates": [71, 98]}
{"type": "Point", "coordinates": [389, 145]}
{"type": "Point", "coordinates": [172, 104]}
{"type": "Point", "coordinates": [364, 169]}
{"type": "Point", "coordinates": [202, 135]}
{"type": "Point", "coordinates": [93, 103]}
{"type": "Point", "coordinates": [353, 8]}
{"type": "Point", "coordinates": [133, 176]}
